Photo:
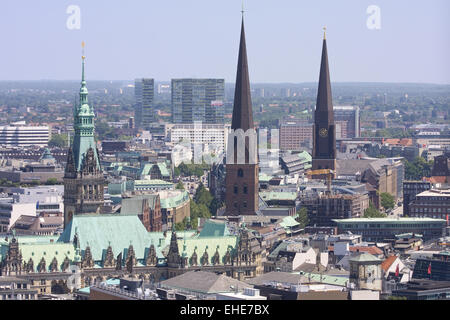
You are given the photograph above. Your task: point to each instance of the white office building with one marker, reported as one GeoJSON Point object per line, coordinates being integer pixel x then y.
{"type": "Point", "coordinates": [30, 202]}
{"type": "Point", "coordinates": [24, 136]}
{"type": "Point", "coordinates": [204, 139]}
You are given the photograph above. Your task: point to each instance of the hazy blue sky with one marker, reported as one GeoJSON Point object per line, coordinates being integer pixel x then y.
{"type": "Point", "coordinates": [199, 38]}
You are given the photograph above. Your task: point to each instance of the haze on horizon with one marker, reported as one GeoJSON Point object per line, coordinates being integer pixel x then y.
{"type": "Point", "coordinates": [200, 38]}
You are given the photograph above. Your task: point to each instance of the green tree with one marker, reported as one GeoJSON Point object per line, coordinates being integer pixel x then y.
{"type": "Point", "coordinates": [58, 141]}
{"type": "Point", "coordinates": [302, 217]}
{"type": "Point", "coordinates": [51, 181]}
{"type": "Point", "coordinates": [180, 186]}
{"type": "Point", "coordinates": [418, 169]}
{"type": "Point", "coordinates": [387, 200]}
{"type": "Point", "coordinates": [203, 196]}
{"type": "Point", "coordinates": [372, 212]}
{"type": "Point", "coordinates": [198, 211]}
{"type": "Point", "coordinates": [215, 205]}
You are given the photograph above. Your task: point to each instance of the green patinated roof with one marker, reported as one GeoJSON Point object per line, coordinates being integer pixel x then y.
{"type": "Point", "coordinates": [174, 201]}
{"type": "Point", "coordinates": [289, 222]}
{"type": "Point", "coordinates": [31, 239]}
{"type": "Point", "coordinates": [271, 196]}
{"type": "Point", "coordinates": [332, 280]}
{"type": "Point", "coordinates": [264, 177]}
{"type": "Point", "coordinates": [214, 229]}
{"type": "Point", "coordinates": [148, 167]}
{"type": "Point", "coordinates": [305, 156]}
{"type": "Point", "coordinates": [282, 246]}
{"type": "Point", "coordinates": [84, 128]}
{"type": "Point", "coordinates": [47, 155]}
{"type": "Point", "coordinates": [210, 244]}
{"type": "Point", "coordinates": [118, 230]}
{"type": "Point", "coordinates": [154, 182]}
{"type": "Point", "coordinates": [48, 251]}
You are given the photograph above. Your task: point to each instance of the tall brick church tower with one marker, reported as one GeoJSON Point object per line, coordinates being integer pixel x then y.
{"type": "Point", "coordinates": [83, 177]}
{"type": "Point", "coordinates": [242, 194]}
{"type": "Point", "coordinates": [324, 130]}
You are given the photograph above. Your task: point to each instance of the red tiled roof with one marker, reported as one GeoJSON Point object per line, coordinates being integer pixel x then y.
{"type": "Point", "coordinates": [386, 264]}
{"type": "Point", "coordinates": [437, 179]}
{"type": "Point", "coordinates": [371, 250]}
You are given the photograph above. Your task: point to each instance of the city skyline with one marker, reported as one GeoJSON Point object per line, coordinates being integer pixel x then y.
{"type": "Point", "coordinates": [118, 51]}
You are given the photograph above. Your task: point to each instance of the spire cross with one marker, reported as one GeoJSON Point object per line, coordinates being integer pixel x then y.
{"type": "Point", "coordinates": [242, 11]}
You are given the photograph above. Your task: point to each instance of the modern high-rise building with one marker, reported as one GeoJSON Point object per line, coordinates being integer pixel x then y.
{"type": "Point", "coordinates": [346, 119]}
{"type": "Point", "coordinates": [24, 136]}
{"type": "Point", "coordinates": [324, 129]}
{"type": "Point", "coordinates": [198, 100]}
{"type": "Point", "coordinates": [144, 90]}
{"type": "Point", "coordinates": [241, 179]}
{"type": "Point", "coordinates": [83, 178]}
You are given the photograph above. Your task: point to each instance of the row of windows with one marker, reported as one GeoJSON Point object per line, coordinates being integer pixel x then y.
{"type": "Point", "coordinates": [397, 226]}
{"type": "Point", "coordinates": [443, 210]}
{"type": "Point", "coordinates": [244, 189]}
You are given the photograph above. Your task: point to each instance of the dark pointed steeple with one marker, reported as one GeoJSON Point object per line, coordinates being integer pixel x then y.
{"type": "Point", "coordinates": [242, 174]}
{"type": "Point", "coordinates": [324, 132]}
{"type": "Point", "coordinates": [324, 107]}
{"type": "Point", "coordinates": [242, 109]}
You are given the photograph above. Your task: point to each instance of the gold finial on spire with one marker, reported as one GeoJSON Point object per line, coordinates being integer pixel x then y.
{"type": "Point", "coordinates": [324, 33]}
{"type": "Point", "coordinates": [83, 44]}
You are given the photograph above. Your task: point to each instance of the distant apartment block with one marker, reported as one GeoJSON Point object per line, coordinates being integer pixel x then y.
{"type": "Point", "coordinates": [294, 133]}
{"type": "Point", "coordinates": [410, 190]}
{"type": "Point", "coordinates": [211, 138]}
{"type": "Point", "coordinates": [431, 204]}
{"type": "Point", "coordinates": [24, 136]}
{"type": "Point", "coordinates": [198, 100]}
{"type": "Point", "coordinates": [381, 229]}
{"type": "Point", "coordinates": [347, 120]}
{"type": "Point", "coordinates": [144, 111]}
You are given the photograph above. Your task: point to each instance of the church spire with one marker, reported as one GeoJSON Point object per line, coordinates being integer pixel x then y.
{"type": "Point", "coordinates": [83, 89]}
{"type": "Point", "coordinates": [324, 107]}
{"type": "Point", "coordinates": [242, 109]}
{"type": "Point", "coordinates": [324, 130]}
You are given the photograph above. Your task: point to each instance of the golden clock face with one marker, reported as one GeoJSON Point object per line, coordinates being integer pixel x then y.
{"type": "Point", "coordinates": [323, 132]}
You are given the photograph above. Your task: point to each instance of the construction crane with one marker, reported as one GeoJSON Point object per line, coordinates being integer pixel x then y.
{"type": "Point", "coordinates": [328, 172]}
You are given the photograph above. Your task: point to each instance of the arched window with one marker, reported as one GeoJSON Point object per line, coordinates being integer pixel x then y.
{"type": "Point", "coordinates": [235, 189]}
{"type": "Point", "coordinates": [240, 173]}
{"type": "Point", "coordinates": [245, 189]}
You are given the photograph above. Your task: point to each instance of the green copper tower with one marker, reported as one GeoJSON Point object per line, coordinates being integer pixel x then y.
{"type": "Point", "coordinates": [83, 178]}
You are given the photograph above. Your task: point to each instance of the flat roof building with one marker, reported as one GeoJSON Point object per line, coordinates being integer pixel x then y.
{"type": "Point", "coordinates": [381, 229]}
{"type": "Point", "coordinates": [24, 136]}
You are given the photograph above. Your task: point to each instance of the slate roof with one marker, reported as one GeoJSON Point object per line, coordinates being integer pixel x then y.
{"type": "Point", "coordinates": [204, 282]}
{"type": "Point", "coordinates": [350, 167]}
{"type": "Point", "coordinates": [281, 277]}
